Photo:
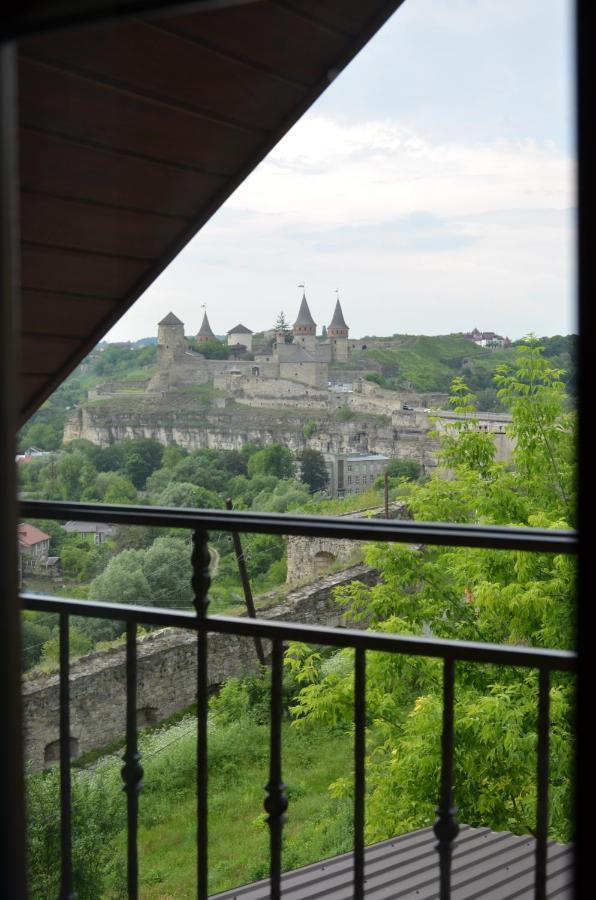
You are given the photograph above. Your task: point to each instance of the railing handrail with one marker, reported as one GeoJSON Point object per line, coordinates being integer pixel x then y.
{"type": "Point", "coordinates": [413, 645]}
{"type": "Point", "coordinates": [495, 537]}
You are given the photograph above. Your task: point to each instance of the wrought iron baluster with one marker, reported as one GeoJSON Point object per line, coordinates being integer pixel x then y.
{"type": "Point", "coordinates": [66, 883]}
{"type": "Point", "coordinates": [359, 782]}
{"type": "Point", "coordinates": [276, 802]}
{"type": "Point", "coordinates": [201, 581]}
{"type": "Point", "coordinates": [132, 770]}
{"type": "Point", "coordinates": [542, 784]}
{"type": "Point", "coordinates": [446, 827]}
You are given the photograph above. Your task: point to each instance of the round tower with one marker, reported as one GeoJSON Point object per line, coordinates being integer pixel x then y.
{"type": "Point", "coordinates": [337, 333]}
{"type": "Point", "coordinates": [305, 328]}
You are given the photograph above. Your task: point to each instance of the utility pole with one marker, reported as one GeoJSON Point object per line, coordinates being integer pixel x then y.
{"type": "Point", "coordinates": [386, 480]}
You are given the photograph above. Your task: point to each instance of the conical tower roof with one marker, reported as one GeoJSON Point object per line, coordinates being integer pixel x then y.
{"type": "Point", "coordinates": [170, 320]}
{"type": "Point", "coordinates": [205, 329]}
{"type": "Point", "coordinates": [338, 320]}
{"type": "Point", "coordinates": [304, 317]}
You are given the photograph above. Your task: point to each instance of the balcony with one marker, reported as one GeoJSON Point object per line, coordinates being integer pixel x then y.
{"type": "Point", "coordinates": [444, 863]}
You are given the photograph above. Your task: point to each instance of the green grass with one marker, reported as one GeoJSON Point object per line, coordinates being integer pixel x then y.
{"type": "Point", "coordinates": [317, 827]}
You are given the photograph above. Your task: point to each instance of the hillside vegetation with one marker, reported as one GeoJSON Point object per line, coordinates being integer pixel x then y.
{"type": "Point", "coordinates": [425, 363]}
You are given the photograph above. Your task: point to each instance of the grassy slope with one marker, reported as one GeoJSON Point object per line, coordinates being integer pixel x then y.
{"type": "Point", "coordinates": [238, 840]}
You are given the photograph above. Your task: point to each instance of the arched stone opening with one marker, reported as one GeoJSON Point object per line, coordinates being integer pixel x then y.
{"type": "Point", "coordinates": [323, 560]}
{"type": "Point", "coordinates": [146, 716]}
{"type": "Point", "coordinates": [51, 754]}
{"type": "Point", "coordinates": [256, 371]}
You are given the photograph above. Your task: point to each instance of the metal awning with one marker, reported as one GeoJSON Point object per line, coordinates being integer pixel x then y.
{"type": "Point", "coordinates": [486, 864]}
{"type": "Point", "coordinates": [133, 133]}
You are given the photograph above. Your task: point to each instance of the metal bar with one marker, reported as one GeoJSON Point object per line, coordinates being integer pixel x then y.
{"type": "Point", "coordinates": [132, 771]}
{"type": "Point", "coordinates": [248, 598]}
{"type": "Point", "coordinates": [276, 802]}
{"type": "Point", "coordinates": [585, 31]}
{"type": "Point", "coordinates": [201, 581]}
{"type": "Point", "coordinates": [359, 775]}
{"type": "Point", "coordinates": [66, 883]}
{"type": "Point", "coordinates": [494, 537]}
{"type": "Point", "coordinates": [446, 827]}
{"type": "Point", "coordinates": [438, 648]}
{"type": "Point", "coordinates": [12, 815]}
{"type": "Point", "coordinates": [542, 784]}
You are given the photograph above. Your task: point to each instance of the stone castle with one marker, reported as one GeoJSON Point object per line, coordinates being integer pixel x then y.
{"type": "Point", "coordinates": [304, 361]}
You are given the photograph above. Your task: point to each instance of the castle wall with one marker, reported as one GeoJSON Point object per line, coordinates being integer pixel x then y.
{"type": "Point", "coordinates": [167, 675]}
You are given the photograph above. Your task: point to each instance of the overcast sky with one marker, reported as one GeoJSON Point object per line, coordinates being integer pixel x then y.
{"type": "Point", "coordinates": [432, 184]}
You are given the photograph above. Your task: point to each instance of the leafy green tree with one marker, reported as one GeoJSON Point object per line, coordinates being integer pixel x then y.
{"type": "Point", "coordinates": [141, 457]}
{"type": "Point", "coordinates": [410, 469]}
{"type": "Point", "coordinates": [76, 473]}
{"type": "Point", "coordinates": [272, 460]}
{"type": "Point", "coordinates": [214, 349]}
{"type": "Point", "coordinates": [185, 495]}
{"type": "Point", "coordinates": [468, 594]}
{"type": "Point", "coordinates": [167, 568]}
{"type": "Point", "coordinates": [313, 470]}
{"type": "Point", "coordinates": [109, 487]}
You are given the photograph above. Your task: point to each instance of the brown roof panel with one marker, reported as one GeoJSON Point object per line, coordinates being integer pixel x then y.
{"type": "Point", "coordinates": [132, 135]}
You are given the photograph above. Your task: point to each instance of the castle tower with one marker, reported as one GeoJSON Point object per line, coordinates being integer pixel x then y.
{"type": "Point", "coordinates": [305, 328]}
{"type": "Point", "coordinates": [204, 333]}
{"type": "Point", "coordinates": [338, 335]}
{"type": "Point", "coordinates": [170, 337]}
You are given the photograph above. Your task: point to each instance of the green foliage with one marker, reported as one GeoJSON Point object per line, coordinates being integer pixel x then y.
{"type": "Point", "coordinates": [460, 593]}
{"type": "Point", "coordinates": [273, 460]}
{"type": "Point", "coordinates": [410, 469]}
{"type": "Point", "coordinates": [344, 413]}
{"type": "Point", "coordinates": [78, 645]}
{"type": "Point", "coordinates": [313, 470]}
{"type": "Point", "coordinates": [213, 349]}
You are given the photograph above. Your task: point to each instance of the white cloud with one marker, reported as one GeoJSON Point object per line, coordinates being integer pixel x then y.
{"type": "Point", "coordinates": [420, 235]}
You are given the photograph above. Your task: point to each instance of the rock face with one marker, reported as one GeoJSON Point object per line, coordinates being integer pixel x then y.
{"type": "Point", "coordinates": [167, 675]}
{"type": "Point", "coordinates": [230, 429]}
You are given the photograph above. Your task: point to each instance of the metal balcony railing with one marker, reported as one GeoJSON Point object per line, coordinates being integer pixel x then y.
{"type": "Point", "coordinates": [451, 652]}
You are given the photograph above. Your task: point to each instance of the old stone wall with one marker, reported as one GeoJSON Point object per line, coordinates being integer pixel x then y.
{"type": "Point", "coordinates": [167, 667]}
{"type": "Point", "coordinates": [309, 558]}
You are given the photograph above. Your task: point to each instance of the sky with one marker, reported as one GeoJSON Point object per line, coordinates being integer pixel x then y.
{"type": "Point", "coordinates": [432, 185]}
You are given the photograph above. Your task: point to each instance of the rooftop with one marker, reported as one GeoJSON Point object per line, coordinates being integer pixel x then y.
{"type": "Point", "coordinates": [29, 535]}
{"type": "Point", "coordinates": [486, 864]}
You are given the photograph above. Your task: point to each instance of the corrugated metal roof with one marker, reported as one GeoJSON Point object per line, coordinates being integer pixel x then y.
{"type": "Point", "coordinates": [486, 864]}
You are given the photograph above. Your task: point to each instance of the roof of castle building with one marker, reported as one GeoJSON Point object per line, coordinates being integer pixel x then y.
{"type": "Point", "coordinates": [170, 319]}
{"type": "Point", "coordinates": [304, 316]}
{"type": "Point", "coordinates": [240, 329]}
{"type": "Point", "coordinates": [293, 353]}
{"type": "Point", "coordinates": [338, 320]}
{"type": "Point", "coordinates": [205, 329]}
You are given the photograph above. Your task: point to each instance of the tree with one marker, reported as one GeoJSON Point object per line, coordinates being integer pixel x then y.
{"type": "Point", "coordinates": [282, 325]}
{"type": "Point", "coordinates": [272, 460]}
{"type": "Point", "coordinates": [140, 458]}
{"type": "Point", "coordinates": [466, 594]}
{"type": "Point", "coordinates": [213, 349]}
{"type": "Point", "coordinates": [313, 470]}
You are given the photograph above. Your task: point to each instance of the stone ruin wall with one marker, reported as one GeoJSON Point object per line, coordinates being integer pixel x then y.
{"type": "Point", "coordinates": [311, 556]}
{"type": "Point", "coordinates": [167, 672]}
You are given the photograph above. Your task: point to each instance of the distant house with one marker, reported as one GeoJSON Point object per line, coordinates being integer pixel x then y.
{"type": "Point", "coordinates": [354, 474]}
{"type": "Point", "coordinates": [33, 541]}
{"type": "Point", "coordinates": [488, 339]}
{"type": "Point", "coordinates": [96, 532]}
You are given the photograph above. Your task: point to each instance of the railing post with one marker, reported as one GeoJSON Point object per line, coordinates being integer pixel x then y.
{"type": "Point", "coordinates": [276, 802]}
{"type": "Point", "coordinates": [542, 784]}
{"type": "Point", "coordinates": [359, 774]}
{"type": "Point", "coordinates": [201, 581]}
{"type": "Point", "coordinates": [446, 827]}
{"type": "Point", "coordinates": [132, 771]}
{"type": "Point", "coordinates": [66, 885]}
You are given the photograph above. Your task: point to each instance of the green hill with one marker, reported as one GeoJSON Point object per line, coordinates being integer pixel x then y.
{"type": "Point", "coordinates": [429, 363]}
